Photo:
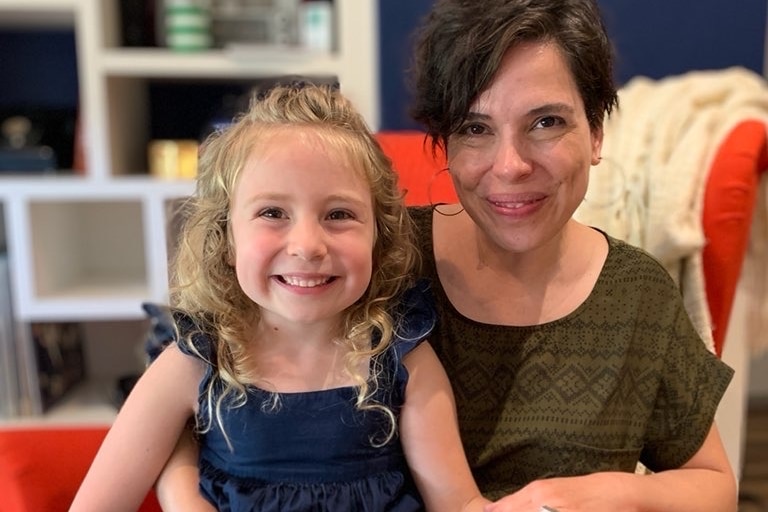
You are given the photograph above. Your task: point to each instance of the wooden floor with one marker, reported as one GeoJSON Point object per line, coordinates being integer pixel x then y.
{"type": "Point", "coordinates": [754, 480]}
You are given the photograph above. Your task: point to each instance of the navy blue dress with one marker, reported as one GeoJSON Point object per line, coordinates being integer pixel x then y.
{"type": "Point", "coordinates": [315, 451]}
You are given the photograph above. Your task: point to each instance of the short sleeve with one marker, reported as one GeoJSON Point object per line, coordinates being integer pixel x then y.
{"type": "Point", "coordinates": [693, 382]}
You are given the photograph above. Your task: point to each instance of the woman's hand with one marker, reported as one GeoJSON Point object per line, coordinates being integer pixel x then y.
{"type": "Point", "coordinates": [177, 487]}
{"type": "Point", "coordinates": [703, 484]}
{"type": "Point", "coordinates": [592, 493]}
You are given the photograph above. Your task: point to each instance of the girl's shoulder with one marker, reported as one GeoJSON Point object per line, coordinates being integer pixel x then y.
{"type": "Point", "coordinates": [414, 316]}
{"type": "Point", "coordinates": [168, 326]}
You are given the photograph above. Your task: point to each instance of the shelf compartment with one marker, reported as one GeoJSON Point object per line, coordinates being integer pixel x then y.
{"type": "Point", "coordinates": [88, 251]}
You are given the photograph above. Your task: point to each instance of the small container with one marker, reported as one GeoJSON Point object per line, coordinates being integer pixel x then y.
{"type": "Point", "coordinates": [316, 25]}
{"type": "Point", "coordinates": [173, 159]}
{"type": "Point", "coordinates": [187, 25]}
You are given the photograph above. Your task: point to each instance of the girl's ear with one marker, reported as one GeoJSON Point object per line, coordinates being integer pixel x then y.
{"type": "Point", "coordinates": [229, 258]}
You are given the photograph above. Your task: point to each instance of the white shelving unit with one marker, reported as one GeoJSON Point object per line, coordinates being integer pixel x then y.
{"type": "Point", "coordinates": [93, 247]}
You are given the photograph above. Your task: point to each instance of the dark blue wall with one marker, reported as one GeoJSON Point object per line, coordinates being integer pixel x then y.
{"type": "Point", "coordinates": [51, 79]}
{"type": "Point", "coordinates": [655, 38]}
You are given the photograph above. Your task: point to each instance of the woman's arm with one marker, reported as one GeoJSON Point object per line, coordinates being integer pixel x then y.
{"type": "Point", "coordinates": [705, 483]}
{"type": "Point", "coordinates": [430, 435]}
{"type": "Point", "coordinates": [177, 488]}
{"type": "Point", "coordinates": [143, 435]}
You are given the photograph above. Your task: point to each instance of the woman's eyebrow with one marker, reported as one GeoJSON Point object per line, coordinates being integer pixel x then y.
{"type": "Point", "coordinates": [552, 108]}
{"type": "Point", "coordinates": [548, 108]}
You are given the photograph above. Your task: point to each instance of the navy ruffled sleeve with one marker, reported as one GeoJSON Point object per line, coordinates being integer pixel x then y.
{"type": "Point", "coordinates": [415, 318]}
{"type": "Point", "coordinates": [168, 326]}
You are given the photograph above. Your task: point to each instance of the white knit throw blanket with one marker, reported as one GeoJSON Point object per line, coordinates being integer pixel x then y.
{"type": "Point", "coordinates": [648, 189]}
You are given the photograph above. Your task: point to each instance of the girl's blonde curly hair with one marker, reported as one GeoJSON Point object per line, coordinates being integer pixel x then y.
{"type": "Point", "coordinates": [204, 285]}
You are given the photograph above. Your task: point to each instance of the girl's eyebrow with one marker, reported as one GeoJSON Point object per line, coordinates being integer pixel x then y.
{"type": "Point", "coordinates": [269, 196]}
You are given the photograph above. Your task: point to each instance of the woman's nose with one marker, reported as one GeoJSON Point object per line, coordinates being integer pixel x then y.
{"type": "Point", "coordinates": [511, 161]}
{"type": "Point", "coordinates": [307, 240]}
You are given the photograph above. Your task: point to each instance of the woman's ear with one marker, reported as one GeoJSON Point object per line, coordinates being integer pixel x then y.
{"type": "Point", "coordinates": [597, 145]}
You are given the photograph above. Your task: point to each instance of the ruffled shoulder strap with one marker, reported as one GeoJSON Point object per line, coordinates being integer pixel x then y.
{"type": "Point", "coordinates": [192, 340]}
{"type": "Point", "coordinates": [415, 318]}
{"type": "Point", "coordinates": [168, 326]}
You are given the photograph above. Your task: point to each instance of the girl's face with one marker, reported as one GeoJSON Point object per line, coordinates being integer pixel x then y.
{"type": "Point", "coordinates": [303, 230]}
{"type": "Point", "coordinates": [520, 163]}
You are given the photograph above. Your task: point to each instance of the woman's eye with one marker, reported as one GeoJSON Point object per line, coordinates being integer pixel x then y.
{"type": "Point", "coordinates": [474, 129]}
{"type": "Point", "coordinates": [340, 215]}
{"type": "Point", "coordinates": [549, 122]}
{"type": "Point", "coordinates": [272, 213]}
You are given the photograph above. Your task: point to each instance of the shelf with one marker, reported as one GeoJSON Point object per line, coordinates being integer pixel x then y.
{"type": "Point", "coordinates": [90, 251]}
{"type": "Point", "coordinates": [37, 13]}
{"type": "Point", "coordinates": [246, 62]}
{"type": "Point", "coordinates": [92, 245]}
{"type": "Point", "coordinates": [77, 187]}
{"type": "Point", "coordinates": [88, 404]}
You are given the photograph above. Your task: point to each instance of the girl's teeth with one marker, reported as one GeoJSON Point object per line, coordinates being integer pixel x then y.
{"type": "Point", "coordinates": [304, 283]}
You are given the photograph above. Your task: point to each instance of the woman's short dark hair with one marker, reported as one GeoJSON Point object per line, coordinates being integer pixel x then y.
{"type": "Point", "coordinates": [461, 43]}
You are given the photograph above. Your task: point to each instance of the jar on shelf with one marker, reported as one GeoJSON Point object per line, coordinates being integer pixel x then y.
{"type": "Point", "coordinates": [187, 24]}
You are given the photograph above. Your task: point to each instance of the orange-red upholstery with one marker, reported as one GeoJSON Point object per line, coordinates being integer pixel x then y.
{"type": "Point", "coordinates": [423, 176]}
{"type": "Point", "coordinates": [729, 201]}
{"type": "Point", "coordinates": [41, 468]}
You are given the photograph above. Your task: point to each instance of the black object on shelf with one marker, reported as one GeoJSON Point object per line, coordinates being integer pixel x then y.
{"type": "Point", "coordinates": [36, 139]}
{"type": "Point", "coordinates": [138, 22]}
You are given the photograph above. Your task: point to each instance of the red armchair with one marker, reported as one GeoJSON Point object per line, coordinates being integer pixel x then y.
{"type": "Point", "coordinates": [42, 467]}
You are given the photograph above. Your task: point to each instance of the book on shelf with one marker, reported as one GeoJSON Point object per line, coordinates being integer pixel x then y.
{"type": "Point", "coordinates": [9, 385]}
{"type": "Point", "coordinates": [39, 362]}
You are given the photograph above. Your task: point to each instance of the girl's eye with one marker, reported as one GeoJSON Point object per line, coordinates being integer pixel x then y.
{"type": "Point", "coordinates": [340, 215]}
{"type": "Point", "coordinates": [272, 213]}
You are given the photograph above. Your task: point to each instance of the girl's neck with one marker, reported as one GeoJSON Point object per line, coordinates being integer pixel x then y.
{"type": "Point", "coordinates": [298, 358]}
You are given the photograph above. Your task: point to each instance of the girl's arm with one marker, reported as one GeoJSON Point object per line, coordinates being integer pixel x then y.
{"type": "Point", "coordinates": [704, 483]}
{"type": "Point", "coordinates": [430, 435]}
{"type": "Point", "coordinates": [143, 435]}
{"type": "Point", "coordinates": [177, 488]}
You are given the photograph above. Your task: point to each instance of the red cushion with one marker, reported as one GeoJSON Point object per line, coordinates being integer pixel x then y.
{"type": "Point", "coordinates": [422, 175]}
{"type": "Point", "coordinates": [729, 201]}
{"type": "Point", "coordinates": [41, 468]}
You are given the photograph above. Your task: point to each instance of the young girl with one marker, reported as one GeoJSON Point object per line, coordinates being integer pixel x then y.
{"type": "Point", "coordinates": [299, 348]}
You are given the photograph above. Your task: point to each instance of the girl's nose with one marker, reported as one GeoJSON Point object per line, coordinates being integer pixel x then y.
{"type": "Point", "coordinates": [307, 240]}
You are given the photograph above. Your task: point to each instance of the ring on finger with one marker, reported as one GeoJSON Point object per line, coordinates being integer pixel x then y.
{"type": "Point", "coordinates": [545, 508]}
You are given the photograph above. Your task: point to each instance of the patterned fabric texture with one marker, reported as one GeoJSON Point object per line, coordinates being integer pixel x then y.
{"type": "Point", "coordinates": [623, 379]}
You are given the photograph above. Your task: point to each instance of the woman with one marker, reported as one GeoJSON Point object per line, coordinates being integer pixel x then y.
{"type": "Point", "coordinates": [570, 353]}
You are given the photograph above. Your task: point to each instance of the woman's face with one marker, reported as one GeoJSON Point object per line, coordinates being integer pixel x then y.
{"type": "Point", "coordinates": [520, 162]}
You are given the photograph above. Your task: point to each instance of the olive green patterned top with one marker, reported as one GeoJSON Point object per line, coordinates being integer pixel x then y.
{"type": "Point", "coordinates": [622, 379]}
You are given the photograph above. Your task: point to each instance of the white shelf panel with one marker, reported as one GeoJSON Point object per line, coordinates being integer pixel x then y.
{"type": "Point", "coordinates": [89, 404]}
{"type": "Point", "coordinates": [76, 308]}
{"type": "Point", "coordinates": [235, 63]}
{"type": "Point", "coordinates": [74, 187]}
{"type": "Point", "coordinates": [41, 6]}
